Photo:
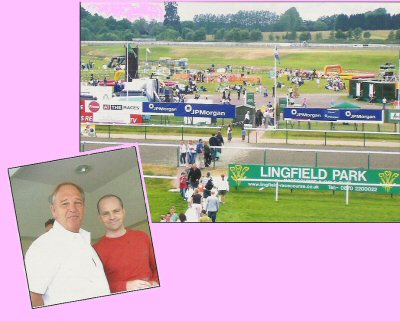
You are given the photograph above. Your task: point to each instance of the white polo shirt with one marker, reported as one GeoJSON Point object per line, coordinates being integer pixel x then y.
{"type": "Point", "coordinates": [63, 267]}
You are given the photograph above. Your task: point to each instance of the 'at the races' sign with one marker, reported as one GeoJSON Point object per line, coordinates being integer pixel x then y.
{"type": "Point", "coordinates": [307, 178]}
{"type": "Point", "coordinates": [111, 111]}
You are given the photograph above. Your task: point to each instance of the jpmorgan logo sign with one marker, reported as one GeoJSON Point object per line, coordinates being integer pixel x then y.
{"type": "Point", "coordinates": [294, 112]}
{"type": "Point", "coordinates": [151, 106]}
{"type": "Point", "coordinates": [348, 113]}
{"type": "Point", "coordinates": [188, 108]}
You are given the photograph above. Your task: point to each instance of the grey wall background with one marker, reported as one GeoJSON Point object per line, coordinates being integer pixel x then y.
{"type": "Point", "coordinates": [113, 172]}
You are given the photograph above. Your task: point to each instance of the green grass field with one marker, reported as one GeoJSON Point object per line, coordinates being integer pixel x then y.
{"type": "Point", "coordinates": [251, 205]}
{"type": "Point", "coordinates": [352, 59]}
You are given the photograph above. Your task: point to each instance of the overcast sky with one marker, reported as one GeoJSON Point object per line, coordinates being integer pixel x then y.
{"type": "Point", "coordinates": [187, 10]}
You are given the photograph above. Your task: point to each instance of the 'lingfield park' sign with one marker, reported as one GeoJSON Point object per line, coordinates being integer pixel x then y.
{"type": "Point", "coordinates": [310, 178]}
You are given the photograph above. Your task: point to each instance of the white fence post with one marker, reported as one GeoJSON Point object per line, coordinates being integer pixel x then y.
{"type": "Point", "coordinates": [276, 191]}
{"type": "Point", "coordinates": [347, 194]}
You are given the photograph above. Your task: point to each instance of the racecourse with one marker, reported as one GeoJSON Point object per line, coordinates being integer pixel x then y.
{"type": "Point", "coordinates": [252, 205]}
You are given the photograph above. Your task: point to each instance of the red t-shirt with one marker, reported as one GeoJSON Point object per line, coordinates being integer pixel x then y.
{"type": "Point", "coordinates": [182, 182]}
{"type": "Point", "coordinates": [128, 257]}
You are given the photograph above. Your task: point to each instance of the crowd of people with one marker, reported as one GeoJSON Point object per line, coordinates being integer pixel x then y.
{"type": "Point", "coordinates": [203, 194]}
{"type": "Point", "coordinates": [335, 83]}
{"type": "Point", "coordinates": [203, 152]}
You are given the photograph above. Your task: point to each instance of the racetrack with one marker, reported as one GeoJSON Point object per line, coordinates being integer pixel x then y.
{"type": "Point", "coordinates": [167, 155]}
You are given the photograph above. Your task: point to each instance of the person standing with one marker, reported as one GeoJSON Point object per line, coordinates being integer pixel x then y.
{"type": "Point", "coordinates": [200, 153]}
{"type": "Point", "coordinates": [182, 153]}
{"type": "Point", "coordinates": [243, 134]}
{"type": "Point", "coordinates": [191, 152]}
{"type": "Point", "coordinates": [194, 176]}
{"type": "Point", "coordinates": [127, 255]}
{"type": "Point", "coordinates": [183, 185]}
{"type": "Point", "coordinates": [247, 118]}
{"type": "Point", "coordinates": [213, 141]}
{"type": "Point", "coordinates": [212, 206]}
{"type": "Point", "coordinates": [229, 131]}
{"type": "Point", "coordinates": [61, 265]}
{"type": "Point", "coordinates": [384, 101]}
{"type": "Point", "coordinates": [207, 155]}
{"type": "Point", "coordinates": [223, 188]}
{"type": "Point", "coordinates": [220, 142]}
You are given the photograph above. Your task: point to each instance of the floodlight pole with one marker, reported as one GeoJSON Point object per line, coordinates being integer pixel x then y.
{"type": "Point", "coordinates": [275, 122]}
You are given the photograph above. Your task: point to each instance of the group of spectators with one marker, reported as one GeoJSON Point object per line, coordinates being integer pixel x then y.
{"type": "Point", "coordinates": [203, 194]}
{"type": "Point", "coordinates": [335, 83]}
{"type": "Point", "coordinates": [202, 152]}
{"type": "Point", "coordinates": [265, 116]}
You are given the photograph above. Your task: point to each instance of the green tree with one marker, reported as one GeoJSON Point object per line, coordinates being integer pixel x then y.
{"type": "Point", "coordinates": [168, 34]}
{"type": "Point", "coordinates": [156, 28]}
{"type": "Point", "coordinates": [366, 35]}
{"type": "Point", "coordinates": [111, 23]}
{"type": "Point", "coordinates": [140, 26]}
{"type": "Point", "coordinates": [391, 36]}
{"type": "Point", "coordinates": [171, 17]}
{"type": "Point", "coordinates": [244, 35]}
{"type": "Point", "coordinates": [219, 34]}
{"type": "Point", "coordinates": [291, 36]}
{"type": "Point", "coordinates": [185, 31]}
{"type": "Point", "coordinates": [397, 34]}
{"type": "Point", "coordinates": [318, 36]}
{"type": "Point", "coordinates": [128, 35]}
{"type": "Point", "coordinates": [339, 34]}
{"type": "Point", "coordinates": [357, 33]}
{"type": "Point", "coordinates": [86, 34]}
{"type": "Point", "coordinates": [290, 20]}
{"type": "Point", "coordinates": [342, 22]}
{"type": "Point", "coordinates": [349, 34]}
{"type": "Point", "coordinates": [200, 34]}
{"type": "Point", "coordinates": [277, 37]}
{"type": "Point", "coordinates": [256, 35]}
{"type": "Point", "coordinates": [108, 36]}
{"type": "Point", "coordinates": [233, 35]}
{"type": "Point", "coordinates": [271, 37]}
{"type": "Point", "coordinates": [190, 36]}
{"type": "Point", "coordinates": [305, 36]}
{"type": "Point", "coordinates": [332, 35]}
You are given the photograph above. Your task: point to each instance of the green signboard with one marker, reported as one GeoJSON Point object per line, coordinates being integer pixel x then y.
{"type": "Point", "coordinates": [250, 99]}
{"type": "Point", "coordinates": [310, 178]}
{"type": "Point", "coordinates": [393, 116]}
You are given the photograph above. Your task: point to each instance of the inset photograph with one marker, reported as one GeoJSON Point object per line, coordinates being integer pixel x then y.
{"type": "Point", "coordinates": [84, 227]}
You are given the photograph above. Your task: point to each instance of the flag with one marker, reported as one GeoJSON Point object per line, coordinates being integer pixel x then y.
{"type": "Point", "coordinates": [130, 50]}
{"type": "Point", "coordinates": [148, 50]}
{"type": "Point", "coordinates": [276, 54]}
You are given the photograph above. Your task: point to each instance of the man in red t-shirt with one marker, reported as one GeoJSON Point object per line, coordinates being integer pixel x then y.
{"type": "Point", "coordinates": [127, 255]}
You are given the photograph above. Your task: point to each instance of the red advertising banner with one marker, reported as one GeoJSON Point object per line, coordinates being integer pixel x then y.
{"type": "Point", "coordinates": [136, 119]}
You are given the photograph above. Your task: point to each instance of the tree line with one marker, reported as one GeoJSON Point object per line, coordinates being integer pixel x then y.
{"type": "Point", "coordinates": [241, 26]}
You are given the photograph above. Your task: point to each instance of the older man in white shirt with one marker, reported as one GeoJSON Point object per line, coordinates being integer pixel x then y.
{"type": "Point", "coordinates": [61, 265]}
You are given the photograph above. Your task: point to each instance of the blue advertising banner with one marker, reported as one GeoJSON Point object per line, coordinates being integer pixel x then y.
{"type": "Point", "coordinates": [346, 115]}
{"type": "Point", "coordinates": [191, 110]}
